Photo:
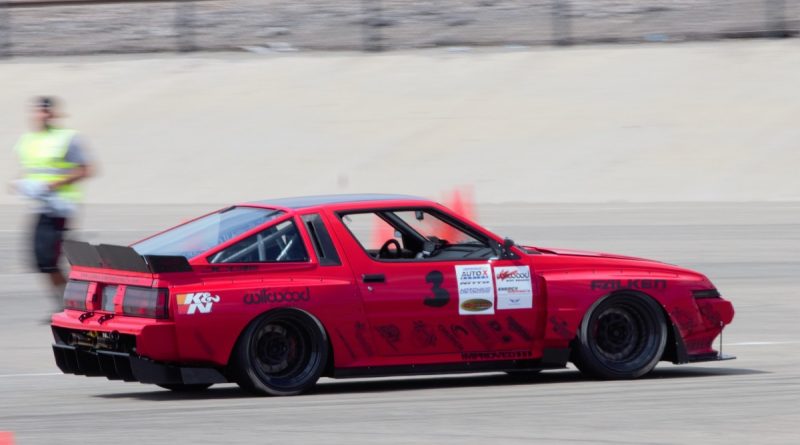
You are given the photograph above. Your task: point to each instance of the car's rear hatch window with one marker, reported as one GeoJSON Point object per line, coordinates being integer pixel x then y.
{"type": "Point", "coordinates": [198, 236]}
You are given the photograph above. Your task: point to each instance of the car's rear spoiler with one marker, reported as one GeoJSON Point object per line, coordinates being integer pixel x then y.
{"type": "Point", "coordinates": [108, 256]}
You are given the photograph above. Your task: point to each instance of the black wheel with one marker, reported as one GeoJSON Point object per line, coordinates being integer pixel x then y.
{"type": "Point", "coordinates": [178, 387]}
{"type": "Point", "coordinates": [282, 353]}
{"type": "Point", "coordinates": [622, 337]}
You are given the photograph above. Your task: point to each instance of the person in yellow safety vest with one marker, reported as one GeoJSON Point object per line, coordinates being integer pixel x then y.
{"type": "Point", "coordinates": [53, 161]}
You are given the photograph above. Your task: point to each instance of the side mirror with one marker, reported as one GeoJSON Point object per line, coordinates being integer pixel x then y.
{"type": "Point", "coordinates": [506, 252]}
{"type": "Point", "coordinates": [503, 251]}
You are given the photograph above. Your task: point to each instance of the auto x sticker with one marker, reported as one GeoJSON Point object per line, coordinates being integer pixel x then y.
{"type": "Point", "coordinates": [201, 302]}
{"type": "Point", "coordinates": [475, 290]}
{"type": "Point", "coordinates": [476, 305]}
{"type": "Point", "coordinates": [514, 287]}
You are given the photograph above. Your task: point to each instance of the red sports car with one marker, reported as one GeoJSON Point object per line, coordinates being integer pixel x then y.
{"type": "Point", "coordinates": [272, 295]}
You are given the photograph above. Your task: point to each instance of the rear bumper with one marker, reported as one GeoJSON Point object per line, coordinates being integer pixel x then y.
{"type": "Point", "coordinates": [129, 367]}
{"type": "Point", "coordinates": [154, 338]}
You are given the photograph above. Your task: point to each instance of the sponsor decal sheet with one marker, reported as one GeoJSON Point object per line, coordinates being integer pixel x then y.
{"type": "Point", "coordinates": [514, 287]}
{"type": "Point", "coordinates": [475, 289]}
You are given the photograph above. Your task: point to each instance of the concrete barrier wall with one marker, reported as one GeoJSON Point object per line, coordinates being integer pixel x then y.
{"type": "Point", "coordinates": [382, 24]}
{"type": "Point", "coordinates": [688, 122]}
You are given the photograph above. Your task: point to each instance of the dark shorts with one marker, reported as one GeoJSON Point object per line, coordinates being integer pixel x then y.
{"type": "Point", "coordinates": [47, 237]}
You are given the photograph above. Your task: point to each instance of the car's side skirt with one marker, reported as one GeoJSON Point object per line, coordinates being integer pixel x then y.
{"type": "Point", "coordinates": [551, 359]}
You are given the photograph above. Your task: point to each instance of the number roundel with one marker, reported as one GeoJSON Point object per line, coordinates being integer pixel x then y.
{"type": "Point", "coordinates": [440, 296]}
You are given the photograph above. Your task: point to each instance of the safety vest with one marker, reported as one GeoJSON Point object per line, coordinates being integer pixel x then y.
{"type": "Point", "coordinates": [42, 154]}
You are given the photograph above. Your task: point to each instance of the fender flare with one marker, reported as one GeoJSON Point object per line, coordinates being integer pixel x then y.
{"type": "Point", "coordinates": [328, 365]}
{"type": "Point", "coordinates": [675, 350]}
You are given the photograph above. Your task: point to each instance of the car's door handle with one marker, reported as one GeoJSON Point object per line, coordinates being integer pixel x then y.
{"type": "Point", "coordinates": [373, 278]}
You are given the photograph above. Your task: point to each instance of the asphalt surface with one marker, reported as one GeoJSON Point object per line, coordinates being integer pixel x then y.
{"type": "Point", "coordinates": [751, 251]}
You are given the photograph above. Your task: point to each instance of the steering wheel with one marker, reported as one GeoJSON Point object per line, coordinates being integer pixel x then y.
{"type": "Point", "coordinates": [386, 253]}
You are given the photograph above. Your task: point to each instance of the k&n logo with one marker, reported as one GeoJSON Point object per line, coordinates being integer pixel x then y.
{"type": "Point", "coordinates": [198, 301]}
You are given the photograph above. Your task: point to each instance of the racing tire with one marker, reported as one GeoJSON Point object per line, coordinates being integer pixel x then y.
{"type": "Point", "coordinates": [282, 353]}
{"type": "Point", "coordinates": [180, 387]}
{"type": "Point", "coordinates": [622, 337]}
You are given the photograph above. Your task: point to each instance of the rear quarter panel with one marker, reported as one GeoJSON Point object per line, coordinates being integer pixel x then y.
{"type": "Point", "coordinates": [243, 295]}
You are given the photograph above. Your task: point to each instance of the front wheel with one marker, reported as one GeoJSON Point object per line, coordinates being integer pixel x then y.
{"type": "Point", "coordinates": [622, 337]}
{"type": "Point", "coordinates": [282, 353]}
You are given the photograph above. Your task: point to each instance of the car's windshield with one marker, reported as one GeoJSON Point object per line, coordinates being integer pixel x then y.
{"type": "Point", "coordinates": [193, 238]}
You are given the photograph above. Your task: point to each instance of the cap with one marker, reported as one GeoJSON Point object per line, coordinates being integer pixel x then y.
{"type": "Point", "coordinates": [45, 102]}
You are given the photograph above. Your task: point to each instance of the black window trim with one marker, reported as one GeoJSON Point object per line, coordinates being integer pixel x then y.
{"type": "Point", "coordinates": [321, 240]}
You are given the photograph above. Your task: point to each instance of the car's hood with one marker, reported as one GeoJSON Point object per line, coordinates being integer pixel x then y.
{"type": "Point", "coordinates": [585, 253]}
{"type": "Point", "coordinates": [587, 259]}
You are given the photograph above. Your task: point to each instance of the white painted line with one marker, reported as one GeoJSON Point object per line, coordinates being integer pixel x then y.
{"type": "Point", "coordinates": [40, 374]}
{"type": "Point", "coordinates": [762, 343]}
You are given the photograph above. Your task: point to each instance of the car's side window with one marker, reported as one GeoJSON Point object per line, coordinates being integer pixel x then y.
{"type": "Point", "coordinates": [369, 229]}
{"type": "Point", "coordinates": [279, 243]}
{"type": "Point", "coordinates": [414, 235]}
{"type": "Point", "coordinates": [321, 240]}
{"type": "Point", "coordinates": [432, 227]}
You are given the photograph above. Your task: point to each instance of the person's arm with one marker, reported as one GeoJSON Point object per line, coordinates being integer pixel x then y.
{"type": "Point", "coordinates": [77, 174]}
{"type": "Point", "coordinates": [76, 153]}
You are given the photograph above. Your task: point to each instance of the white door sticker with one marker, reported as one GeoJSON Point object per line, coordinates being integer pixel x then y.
{"type": "Point", "coordinates": [514, 287]}
{"type": "Point", "coordinates": [475, 290]}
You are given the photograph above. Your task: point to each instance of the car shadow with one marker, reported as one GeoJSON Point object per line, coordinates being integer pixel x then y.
{"type": "Point", "coordinates": [335, 387]}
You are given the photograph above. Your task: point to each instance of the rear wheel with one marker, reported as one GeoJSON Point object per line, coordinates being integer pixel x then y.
{"type": "Point", "coordinates": [622, 337]}
{"type": "Point", "coordinates": [282, 353]}
{"type": "Point", "coordinates": [178, 387]}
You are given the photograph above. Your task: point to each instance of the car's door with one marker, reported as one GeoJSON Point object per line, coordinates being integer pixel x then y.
{"type": "Point", "coordinates": [461, 300]}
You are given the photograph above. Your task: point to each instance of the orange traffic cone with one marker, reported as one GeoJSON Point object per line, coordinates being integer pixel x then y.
{"type": "Point", "coordinates": [461, 203]}
{"type": "Point", "coordinates": [6, 438]}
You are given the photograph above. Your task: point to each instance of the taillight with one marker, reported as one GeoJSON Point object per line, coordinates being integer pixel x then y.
{"type": "Point", "coordinates": [75, 295]}
{"type": "Point", "coordinates": [107, 297]}
{"type": "Point", "coordinates": [146, 302]}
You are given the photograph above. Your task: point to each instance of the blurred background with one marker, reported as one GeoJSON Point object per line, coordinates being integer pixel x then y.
{"type": "Point", "coordinates": [188, 105]}
{"type": "Point", "coordinates": [88, 26]}
{"type": "Point", "coordinates": [656, 128]}
{"type": "Point", "coordinates": [514, 99]}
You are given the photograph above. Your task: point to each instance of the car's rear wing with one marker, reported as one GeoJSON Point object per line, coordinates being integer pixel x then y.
{"type": "Point", "coordinates": [107, 256]}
